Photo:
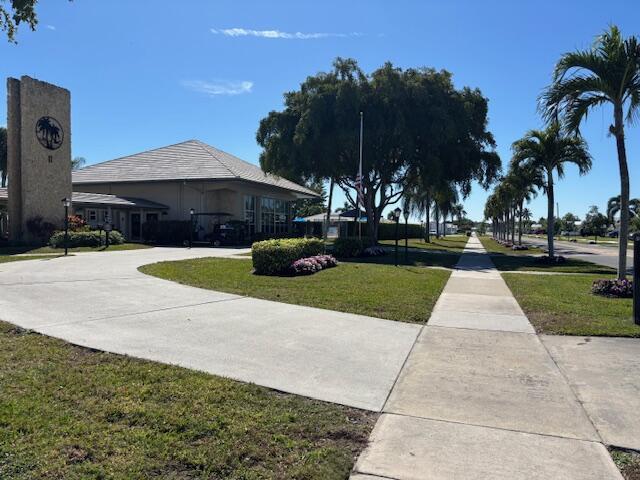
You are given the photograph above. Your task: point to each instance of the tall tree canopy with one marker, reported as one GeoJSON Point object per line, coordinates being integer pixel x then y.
{"type": "Point", "coordinates": [416, 124]}
{"type": "Point", "coordinates": [13, 13]}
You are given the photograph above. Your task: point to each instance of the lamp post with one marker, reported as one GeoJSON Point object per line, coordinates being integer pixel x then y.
{"type": "Point", "coordinates": [66, 203]}
{"type": "Point", "coordinates": [405, 214]}
{"type": "Point", "coordinates": [636, 278]}
{"type": "Point", "coordinates": [192, 212]}
{"type": "Point", "coordinates": [396, 217]}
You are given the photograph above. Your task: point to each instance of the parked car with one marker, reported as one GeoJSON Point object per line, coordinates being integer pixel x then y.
{"type": "Point", "coordinates": [613, 234]}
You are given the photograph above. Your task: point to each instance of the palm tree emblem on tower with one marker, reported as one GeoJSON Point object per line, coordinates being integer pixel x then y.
{"type": "Point", "coordinates": [49, 133]}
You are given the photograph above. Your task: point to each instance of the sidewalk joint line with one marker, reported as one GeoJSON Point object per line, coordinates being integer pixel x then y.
{"type": "Point", "coordinates": [504, 429]}
{"type": "Point", "coordinates": [133, 314]}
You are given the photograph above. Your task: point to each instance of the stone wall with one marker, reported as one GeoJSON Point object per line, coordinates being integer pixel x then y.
{"type": "Point", "coordinates": [39, 153]}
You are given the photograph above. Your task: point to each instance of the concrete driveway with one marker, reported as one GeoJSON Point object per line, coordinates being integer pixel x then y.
{"type": "Point", "coordinates": [100, 300]}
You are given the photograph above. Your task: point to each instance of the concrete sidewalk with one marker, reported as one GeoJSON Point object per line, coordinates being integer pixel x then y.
{"type": "Point", "coordinates": [100, 300]}
{"type": "Point", "coordinates": [480, 396]}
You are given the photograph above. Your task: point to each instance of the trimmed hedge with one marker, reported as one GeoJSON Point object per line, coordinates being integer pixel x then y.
{"type": "Point", "coordinates": [274, 257]}
{"type": "Point", "coordinates": [92, 238]}
{"type": "Point", "coordinates": [349, 247]}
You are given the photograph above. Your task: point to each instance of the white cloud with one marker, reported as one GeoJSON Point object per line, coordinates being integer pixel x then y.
{"type": "Point", "coordinates": [243, 32]}
{"type": "Point", "coordinates": [51, 27]}
{"type": "Point", "coordinates": [218, 88]}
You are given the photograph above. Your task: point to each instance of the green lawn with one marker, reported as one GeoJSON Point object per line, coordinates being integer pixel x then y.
{"type": "Point", "coordinates": [492, 247]}
{"type": "Point", "coordinates": [17, 258]}
{"type": "Point", "coordinates": [564, 305]}
{"type": "Point", "coordinates": [414, 258]}
{"type": "Point", "coordinates": [47, 249]}
{"type": "Point", "coordinates": [75, 413]}
{"type": "Point", "coordinates": [450, 243]}
{"type": "Point", "coordinates": [403, 293]}
{"type": "Point", "coordinates": [528, 263]}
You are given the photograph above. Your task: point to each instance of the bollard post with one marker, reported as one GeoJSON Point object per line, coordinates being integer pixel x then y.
{"type": "Point", "coordinates": [636, 278]}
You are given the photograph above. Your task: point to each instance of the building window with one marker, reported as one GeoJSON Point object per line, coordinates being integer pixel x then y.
{"type": "Point", "coordinates": [267, 215]}
{"type": "Point", "coordinates": [250, 213]}
{"type": "Point", "coordinates": [92, 216]}
{"type": "Point", "coordinates": [281, 216]}
{"type": "Point", "coordinates": [274, 215]}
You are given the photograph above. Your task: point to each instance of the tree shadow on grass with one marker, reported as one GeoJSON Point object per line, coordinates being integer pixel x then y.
{"type": "Point", "coordinates": [505, 262]}
{"type": "Point", "coordinates": [413, 259]}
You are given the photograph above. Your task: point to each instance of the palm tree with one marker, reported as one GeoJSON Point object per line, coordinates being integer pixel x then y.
{"type": "Point", "coordinates": [607, 73]}
{"type": "Point", "coordinates": [459, 211]}
{"type": "Point", "coordinates": [78, 162]}
{"type": "Point", "coordinates": [418, 201]}
{"type": "Point", "coordinates": [545, 152]}
{"type": "Point", "coordinates": [523, 181]}
{"type": "Point", "coordinates": [526, 216]}
{"type": "Point", "coordinates": [613, 208]}
{"type": "Point", "coordinates": [445, 196]}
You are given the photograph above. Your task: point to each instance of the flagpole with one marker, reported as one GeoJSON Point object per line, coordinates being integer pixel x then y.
{"type": "Point", "coordinates": [360, 189]}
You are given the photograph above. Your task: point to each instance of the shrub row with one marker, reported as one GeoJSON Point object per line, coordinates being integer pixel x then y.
{"type": "Point", "coordinates": [273, 257]}
{"type": "Point", "coordinates": [386, 231]}
{"type": "Point", "coordinates": [350, 247]}
{"type": "Point", "coordinates": [92, 238]}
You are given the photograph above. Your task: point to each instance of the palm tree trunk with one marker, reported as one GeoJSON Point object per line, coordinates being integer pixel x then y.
{"type": "Point", "coordinates": [444, 224]}
{"type": "Point", "coordinates": [550, 219]}
{"type": "Point", "coordinates": [437, 215]}
{"type": "Point", "coordinates": [624, 194]}
{"type": "Point", "coordinates": [513, 225]}
{"type": "Point", "coordinates": [520, 225]}
{"type": "Point", "coordinates": [428, 229]}
{"type": "Point", "coordinates": [328, 219]}
{"type": "Point", "coordinates": [3, 180]}
{"type": "Point", "coordinates": [507, 224]}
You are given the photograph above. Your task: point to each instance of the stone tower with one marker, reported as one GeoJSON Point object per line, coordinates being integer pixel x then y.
{"type": "Point", "coordinates": [39, 154]}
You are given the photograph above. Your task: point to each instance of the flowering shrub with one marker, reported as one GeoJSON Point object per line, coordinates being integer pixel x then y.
{"type": "Point", "coordinates": [274, 257]}
{"type": "Point", "coordinates": [310, 265]}
{"type": "Point", "coordinates": [613, 288]}
{"type": "Point", "coordinates": [77, 223]}
{"type": "Point", "coordinates": [546, 260]}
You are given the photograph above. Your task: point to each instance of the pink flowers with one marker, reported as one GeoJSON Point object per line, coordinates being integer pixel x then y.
{"type": "Point", "coordinates": [310, 265]}
{"type": "Point", "coordinates": [613, 288]}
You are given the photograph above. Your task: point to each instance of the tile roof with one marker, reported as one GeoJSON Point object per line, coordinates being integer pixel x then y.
{"type": "Point", "coordinates": [83, 198]}
{"type": "Point", "coordinates": [190, 160]}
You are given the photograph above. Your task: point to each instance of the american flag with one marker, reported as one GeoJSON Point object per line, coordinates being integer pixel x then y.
{"type": "Point", "coordinates": [358, 185]}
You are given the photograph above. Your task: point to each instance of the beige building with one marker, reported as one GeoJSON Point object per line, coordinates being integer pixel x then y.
{"type": "Point", "coordinates": [166, 183]}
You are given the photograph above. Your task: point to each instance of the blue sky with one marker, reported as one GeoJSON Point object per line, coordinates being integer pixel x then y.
{"type": "Point", "coordinates": [145, 74]}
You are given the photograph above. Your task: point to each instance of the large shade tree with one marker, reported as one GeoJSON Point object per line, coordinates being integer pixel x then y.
{"type": "Point", "coordinates": [608, 73]}
{"type": "Point", "coordinates": [546, 152]}
{"type": "Point", "coordinates": [415, 124]}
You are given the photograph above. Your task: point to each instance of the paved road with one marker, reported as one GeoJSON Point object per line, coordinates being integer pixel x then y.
{"type": "Point", "coordinates": [599, 254]}
{"type": "Point", "coordinates": [100, 300]}
{"type": "Point", "coordinates": [481, 397]}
